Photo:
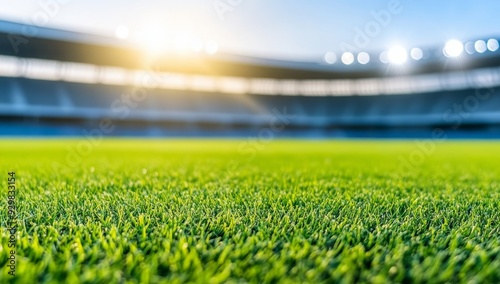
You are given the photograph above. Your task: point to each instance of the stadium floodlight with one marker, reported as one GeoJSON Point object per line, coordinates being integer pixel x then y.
{"type": "Point", "coordinates": [347, 58]}
{"type": "Point", "coordinates": [469, 47]}
{"type": "Point", "coordinates": [211, 47]}
{"type": "Point", "coordinates": [453, 48]}
{"type": "Point", "coordinates": [480, 46]}
{"type": "Point", "coordinates": [384, 58]}
{"type": "Point", "coordinates": [492, 44]}
{"type": "Point", "coordinates": [397, 55]}
{"type": "Point", "coordinates": [363, 58]}
{"type": "Point", "coordinates": [416, 53]}
{"type": "Point", "coordinates": [330, 57]}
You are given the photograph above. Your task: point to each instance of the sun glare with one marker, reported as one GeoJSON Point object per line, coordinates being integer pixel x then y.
{"type": "Point", "coordinates": [153, 39]}
{"type": "Point", "coordinates": [122, 32]}
{"type": "Point", "coordinates": [156, 40]}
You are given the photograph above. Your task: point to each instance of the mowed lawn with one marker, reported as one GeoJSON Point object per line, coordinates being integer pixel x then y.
{"type": "Point", "coordinates": [236, 211]}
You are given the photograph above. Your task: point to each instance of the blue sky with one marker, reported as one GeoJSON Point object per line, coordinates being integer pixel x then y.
{"type": "Point", "coordinates": [288, 29]}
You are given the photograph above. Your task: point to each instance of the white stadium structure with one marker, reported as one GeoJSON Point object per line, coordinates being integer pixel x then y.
{"type": "Point", "coordinates": [56, 82]}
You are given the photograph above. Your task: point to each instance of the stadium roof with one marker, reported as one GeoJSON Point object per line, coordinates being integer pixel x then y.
{"type": "Point", "coordinates": [53, 44]}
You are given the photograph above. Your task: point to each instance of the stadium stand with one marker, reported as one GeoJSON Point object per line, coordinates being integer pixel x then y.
{"type": "Point", "coordinates": [59, 82]}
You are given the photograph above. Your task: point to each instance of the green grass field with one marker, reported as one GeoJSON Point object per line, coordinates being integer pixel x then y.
{"type": "Point", "coordinates": [222, 211]}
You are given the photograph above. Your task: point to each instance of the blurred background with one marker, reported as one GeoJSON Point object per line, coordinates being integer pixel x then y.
{"type": "Point", "coordinates": [235, 68]}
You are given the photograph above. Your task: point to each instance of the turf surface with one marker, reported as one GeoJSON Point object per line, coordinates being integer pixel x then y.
{"type": "Point", "coordinates": [209, 211]}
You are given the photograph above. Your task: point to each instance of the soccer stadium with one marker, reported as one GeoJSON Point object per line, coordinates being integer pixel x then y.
{"type": "Point", "coordinates": [189, 162]}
